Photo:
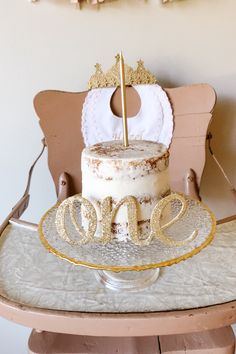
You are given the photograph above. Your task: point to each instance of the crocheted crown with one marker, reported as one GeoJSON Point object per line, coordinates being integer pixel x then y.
{"type": "Point", "coordinates": [139, 76]}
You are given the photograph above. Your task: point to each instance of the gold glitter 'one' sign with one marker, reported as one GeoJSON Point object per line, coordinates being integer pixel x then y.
{"type": "Point", "coordinates": [108, 214]}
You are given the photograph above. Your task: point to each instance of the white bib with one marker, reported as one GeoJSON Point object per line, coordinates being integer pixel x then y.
{"type": "Point", "coordinates": [153, 122]}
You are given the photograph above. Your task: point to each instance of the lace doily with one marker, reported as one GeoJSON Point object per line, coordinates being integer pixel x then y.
{"type": "Point", "coordinates": [153, 122]}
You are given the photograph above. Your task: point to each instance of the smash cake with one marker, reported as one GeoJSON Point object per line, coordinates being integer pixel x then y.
{"type": "Point", "coordinates": [139, 170]}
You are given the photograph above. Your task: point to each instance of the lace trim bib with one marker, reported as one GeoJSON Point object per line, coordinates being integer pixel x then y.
{"type": "Point", "coordinates": [154, 120]}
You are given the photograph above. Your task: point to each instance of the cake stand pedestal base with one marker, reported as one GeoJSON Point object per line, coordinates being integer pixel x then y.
{"type": "Point", "coordinates": [131, 280]}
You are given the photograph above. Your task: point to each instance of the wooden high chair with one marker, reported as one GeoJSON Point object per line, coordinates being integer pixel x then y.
{"type": "Point", "coordinates": [201, 330]}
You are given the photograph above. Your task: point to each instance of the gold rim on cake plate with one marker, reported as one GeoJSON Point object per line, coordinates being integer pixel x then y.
{"type": "Point", "coordinates": [125, 256]}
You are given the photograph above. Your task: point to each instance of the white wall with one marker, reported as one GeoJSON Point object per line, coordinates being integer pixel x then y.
{"type": "Point", "coordinates": [51, 45]}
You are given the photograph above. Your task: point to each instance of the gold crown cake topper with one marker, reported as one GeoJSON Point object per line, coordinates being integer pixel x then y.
{"type": "Point", "coordinates": [139, 76]}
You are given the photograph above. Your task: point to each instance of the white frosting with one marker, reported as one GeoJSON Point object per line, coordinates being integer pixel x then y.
{"type": "Point", "coordinates": [115, 150]}
{"type": "Point", "coordinates": [141, 170]}
{"type": "Point", "coordinates": [149, 186]}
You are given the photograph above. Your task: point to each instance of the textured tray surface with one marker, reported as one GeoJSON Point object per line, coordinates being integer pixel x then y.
{"type": "Point", "coordinates": [30, 275]}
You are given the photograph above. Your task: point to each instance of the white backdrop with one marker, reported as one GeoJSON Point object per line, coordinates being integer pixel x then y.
{"type": "Point", "coordinates": [51, 45]}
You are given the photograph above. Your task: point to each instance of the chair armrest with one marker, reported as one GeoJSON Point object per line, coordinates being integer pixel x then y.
{"type": "Point", "coordinates": [23, 203]}
{"type": "Point", "coordinates": [232, 188]}
{"type": "Point", "coordinates": [13, 217]}
{"type": "Point", "coordinates": [229, 218]}
{"type": "Point", "coordinates": [16, 212]}
{"type": "Point", "coordinates": [26, 224]}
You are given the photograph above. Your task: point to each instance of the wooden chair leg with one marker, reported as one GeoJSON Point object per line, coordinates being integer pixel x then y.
{"type": "Point", "coordinates": [218, 341]}
{"type": "Point", "coordinates": [55, 343]}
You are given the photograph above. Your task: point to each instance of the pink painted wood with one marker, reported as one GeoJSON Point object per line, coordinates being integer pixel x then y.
{"type": "Point", "coordinates": [216, 341]}
{"type": "Point", "coordinates": [55, 343]}
{"type": "Point", "coordinates": [120, 325]}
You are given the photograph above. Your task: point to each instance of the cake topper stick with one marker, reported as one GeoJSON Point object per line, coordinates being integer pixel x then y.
{"type": "Point", "coordinates": [123, 101]}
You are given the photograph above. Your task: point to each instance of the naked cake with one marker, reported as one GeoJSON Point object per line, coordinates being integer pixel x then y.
{"type": "Point", "coordinates": [139, 170]}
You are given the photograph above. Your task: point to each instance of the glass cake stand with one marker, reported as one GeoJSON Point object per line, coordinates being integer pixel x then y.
{"type": "Point", "coordinates": [125, 265]}
{"type": "Point", "coordinates": [127, 281]}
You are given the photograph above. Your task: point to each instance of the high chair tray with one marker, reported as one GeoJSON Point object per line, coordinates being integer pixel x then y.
{"type": "Point", "coordinates": [31, 276]}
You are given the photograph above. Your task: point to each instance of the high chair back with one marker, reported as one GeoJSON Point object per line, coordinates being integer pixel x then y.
{"type": "Point", "coordinates": [60, 119]}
